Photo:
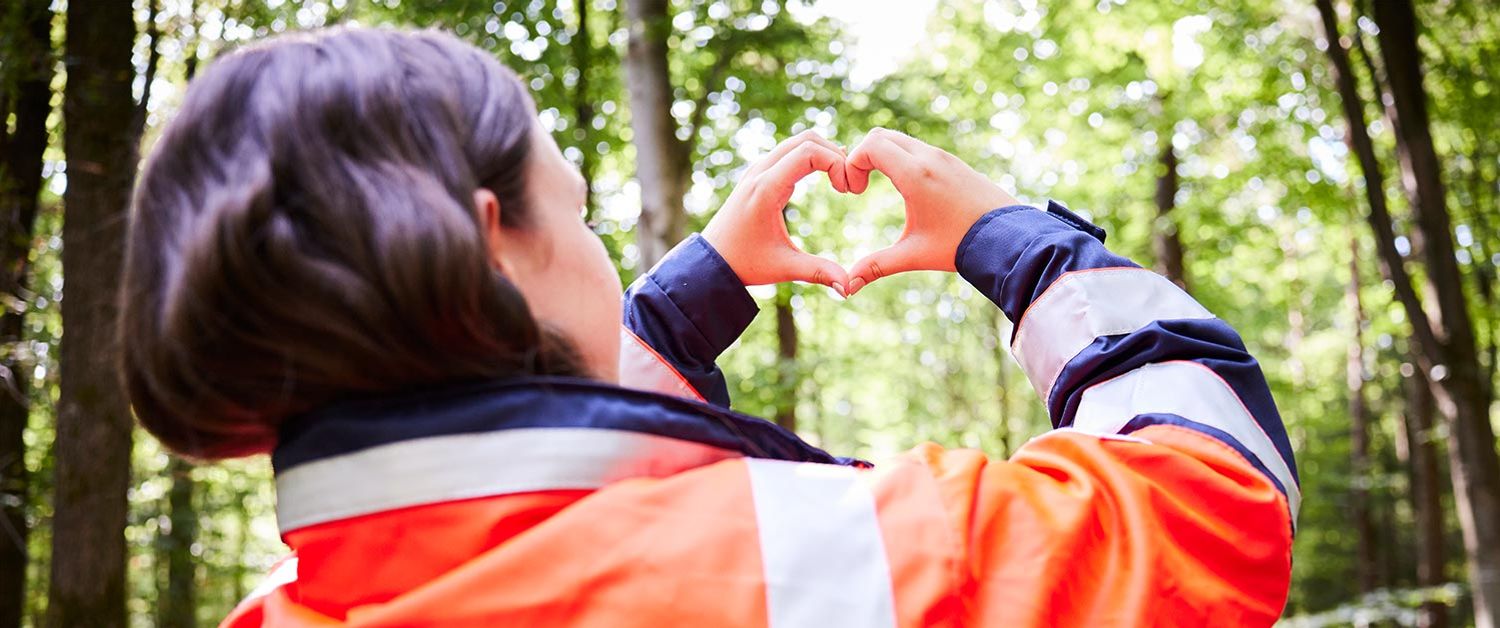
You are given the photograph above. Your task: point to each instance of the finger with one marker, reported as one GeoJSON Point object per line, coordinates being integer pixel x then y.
{"type": "Point", "coordinates": [877, 152]}
{"type": "Point", "coordinates": [896, 258]}
{"type": "Point", "coordinates": [787, 146]}
{"type": "Point", "coordinates": [906, 142]}
{"type": "Point", "coordinates": [774, 187]}
{"type": "Point", "coordinates": [813, 269]}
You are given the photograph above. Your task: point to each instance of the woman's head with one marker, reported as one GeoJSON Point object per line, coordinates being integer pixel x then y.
{"type": "Point", "coordinates": [347, 213]}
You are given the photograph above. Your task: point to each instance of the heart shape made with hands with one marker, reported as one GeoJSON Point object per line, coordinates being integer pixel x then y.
{"type": "Point", "coordinates": [944, 197]}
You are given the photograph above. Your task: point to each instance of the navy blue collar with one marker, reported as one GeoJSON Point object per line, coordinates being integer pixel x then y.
{"type": "Point", "coordinates": [532, 402]}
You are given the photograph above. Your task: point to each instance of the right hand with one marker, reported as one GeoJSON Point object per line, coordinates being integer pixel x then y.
{"type": "Point", "coordinates": [944, 198]}
{"type": "Point", "coordinates": [749, 231]}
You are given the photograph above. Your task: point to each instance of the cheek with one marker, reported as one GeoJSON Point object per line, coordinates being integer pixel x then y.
{"type": "Point", "coordinates": [596, 301]}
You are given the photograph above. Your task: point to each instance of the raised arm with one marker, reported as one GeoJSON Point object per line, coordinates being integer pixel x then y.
{"type": "Point", "coordinates": [1168, 494]}
{"type": "Point", "coordinates": [1111, 347]}
{"type": "Point", "coordinates": [692, 305]}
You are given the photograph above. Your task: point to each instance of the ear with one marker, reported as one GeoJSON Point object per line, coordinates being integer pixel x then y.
{"type": "Point", "coordinates": [487, 210]}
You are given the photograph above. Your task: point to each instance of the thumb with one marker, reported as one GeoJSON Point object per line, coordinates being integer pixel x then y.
{"type": "Point", "coordinates": [813, 269]}
{"type": "Point", "coordinates": [896, 258]}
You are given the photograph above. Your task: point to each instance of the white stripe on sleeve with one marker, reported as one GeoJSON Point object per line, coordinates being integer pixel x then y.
{"type": "Point", "coordinates": [1084, 305]}
{"type": "Point", "coordinates": [642, 368]}
{"type": "Point", "coordinates": [1193, 392]}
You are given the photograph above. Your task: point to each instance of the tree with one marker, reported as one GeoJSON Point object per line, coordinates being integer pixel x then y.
{"type": "Point", "coordinates": [178, 604]}
{"type": "Point", "coordinates": [583, 100]}
{"type": "Point", "coordinates": [1463, 395]}
{"type": "Point", "coordinates": [25, 92]}
{"type": "Point", "coordinates": [1366, 566]}
{"type": "Point", "coordinates": [93, 421]}
{"type": "Point", "coordinates": [1446, 345]}
{"type": "Point", "coordinates": [786, 359]}
{"type": "Point", "coordinates": [662, 164]}
{"type": "Point", "coordinates": [1426, 493]}
{"type": "Point", "coordinates": [1166, 240]}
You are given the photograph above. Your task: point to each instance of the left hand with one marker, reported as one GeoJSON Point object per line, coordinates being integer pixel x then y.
{"type": "Point", "coordinates": [749, 231]}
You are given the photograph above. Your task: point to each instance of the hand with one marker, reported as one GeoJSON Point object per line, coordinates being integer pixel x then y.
{"type": "Point", "coordinates": [944, 198]}
{"type": "Point", "coordinates": [749, 231]}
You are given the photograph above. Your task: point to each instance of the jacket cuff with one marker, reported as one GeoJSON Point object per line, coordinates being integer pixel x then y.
{"type": "Point", "coordinates": [1014, 253]}
{"type": "Point", "coordinates": [706, 290]}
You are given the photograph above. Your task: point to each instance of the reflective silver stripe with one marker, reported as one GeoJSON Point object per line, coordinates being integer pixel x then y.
{"type": "Point", "coordinates": [1191, 391]}
{"type": "Point", "coordinates": [284, 573]}
{"type": "Point", "coordinates": [462, 466]}
{"type": "Point", "coordinates": [1084, 305]}
{"type": "Point", "coordinates": [824, 558]}
{"type": "Point", "coordinates": [642, 368]}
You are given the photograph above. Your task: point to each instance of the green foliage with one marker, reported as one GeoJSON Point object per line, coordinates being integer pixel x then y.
{"type": "Point", "coordinates": [1072, 100]}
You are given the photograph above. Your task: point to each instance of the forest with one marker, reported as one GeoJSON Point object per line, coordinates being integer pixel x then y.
{"type": "Point", "coordinates": [1324, 175]}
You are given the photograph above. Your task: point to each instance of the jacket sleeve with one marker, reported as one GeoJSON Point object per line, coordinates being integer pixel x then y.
{"type": "Point", "coordinates": [1111, 347]}
{"type": "Point", "coordinates": [1168, 493]}
{"type": "Point", "coordinates": [678, 318]}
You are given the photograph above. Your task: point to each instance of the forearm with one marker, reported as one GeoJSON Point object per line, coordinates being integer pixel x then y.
{"type": "Point", "coordinates": [688, 310]}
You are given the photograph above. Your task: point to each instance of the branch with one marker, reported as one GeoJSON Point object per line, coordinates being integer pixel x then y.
{"type": "Point", "coordinates": [1379, 218]}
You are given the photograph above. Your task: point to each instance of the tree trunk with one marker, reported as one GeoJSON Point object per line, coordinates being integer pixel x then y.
{"type": "Point", "coordinates": [178, 602]}
{"type": "Point", "coordinates": [1426, 494]}
{"type": "Point", "coordinates": [1166, 241]}
{"type": "Point", "coordinates": [1367, 568]}
{"type": "Point", "coordinates": [93, 420]}
{"type": "Point", "coordinates": [661, 161]}
{"type": "Point", "coordinates": [29, 98]}
{"type": "Point", "coordinates": [583, 103]}
{"type": "Point", "coordinates": [1000, 326]}
{"type": "Point", "coordinates": [786, 359]}
{"type": "Point", "coordinates": [1461, 395]}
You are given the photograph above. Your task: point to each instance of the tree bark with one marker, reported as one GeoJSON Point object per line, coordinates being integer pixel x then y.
{"type": "Point", "coordinates": [1426, 494]}
{"type": "Point", "coordinates": [1166, 241]}
{"type": "Point", "coordinates": [661, 159]}
{"type": "Point", "coordinates": [786, 359]}
{"type": "Point", "coordinates": [1367, 567]}
{"type": "Point", "coordinates": [1000, 325]}
{"type": "Point", "coordinates": [583, 102]}
{"type": "Point", "coordinates": [1446, 347]}
{"type": "Point", "coordinates": [93, 437]}
{"type": "Point", "coordinates": [1461, 395]}
{"type": "Point", "coordinates": [29, 97]}
{"type": "Point", "coordinates": [179, 602]}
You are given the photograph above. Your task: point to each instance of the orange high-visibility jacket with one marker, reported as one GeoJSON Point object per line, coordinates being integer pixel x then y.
{"type": "Point", "coordinates": [1167, 495]}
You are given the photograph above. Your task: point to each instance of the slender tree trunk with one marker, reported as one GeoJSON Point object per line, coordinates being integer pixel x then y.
{"type": "Point", "coordinates": [1446, 345]}
{"type": "Point", "coordinates": [1367, 567]}
{"type": "Point", "coordinates": [20, 184]}
{"type": "Point", "coordinates": [179, 601]}
{"type": "Point", "coordinates": [242, 547]}
{"type": "Point", "coordinates": [1166, 240]}
{"type": "Point", "coordinates": [1002, 365]}
{"type": "Point", "coordinates": [1426, 494]}
{"type": "Point", "coordinates": [1462, 396]}
{"type": "Point", "coordinates": [583, 101]}
{"type": "Point", "coordinates": [93, 421]}
{"type": "Point", "coordinates": [786, 359]}
{"type": "Point", "coordinates": [661, 161]}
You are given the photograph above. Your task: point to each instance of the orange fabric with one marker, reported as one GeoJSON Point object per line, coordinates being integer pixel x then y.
{"type": "Point", "coordinates": [1073, 530]}
{"type": "Point", "coordinates": [1086, 531]}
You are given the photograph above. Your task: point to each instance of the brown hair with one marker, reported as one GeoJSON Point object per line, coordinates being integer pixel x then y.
{"type": "Point", "coordinates": [305, 232]}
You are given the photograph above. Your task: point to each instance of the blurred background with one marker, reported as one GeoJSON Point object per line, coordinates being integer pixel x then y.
{"type": "Point", "coordinates": [1334, 198]}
